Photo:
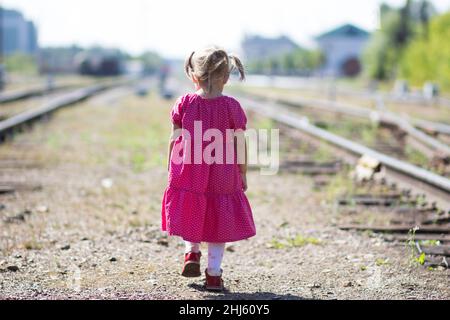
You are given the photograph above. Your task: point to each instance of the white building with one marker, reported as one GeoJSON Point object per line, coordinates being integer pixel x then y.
{"type": "Point", "coordinates": [257, 47]}
{"type": "Point", "coordinates": [342, 48]}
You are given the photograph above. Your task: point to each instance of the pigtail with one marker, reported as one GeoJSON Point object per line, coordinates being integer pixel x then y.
{"type": "Point", "coordinates": [188, 68]}
{"type": "Point", "coordinates": [237, 64]}
{"type": "Point", "coordinates": [212, 65]}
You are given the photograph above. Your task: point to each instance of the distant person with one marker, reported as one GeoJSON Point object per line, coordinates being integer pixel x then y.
{"type": "Point", "coordinates": [163, 75]}
{"type": "Point", "coordinates": [205, 200]}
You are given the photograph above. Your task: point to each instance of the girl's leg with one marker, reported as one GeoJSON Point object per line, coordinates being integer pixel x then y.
{"type": "Point", "coordinates": [192, 256]}
{"type": "Point", "coordinates": [215, 256]}
{"type": "Point", "coordinates": [191, 247]}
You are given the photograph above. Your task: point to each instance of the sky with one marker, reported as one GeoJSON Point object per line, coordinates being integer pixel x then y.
{"type": "Point", "coordinates": [176, 27]}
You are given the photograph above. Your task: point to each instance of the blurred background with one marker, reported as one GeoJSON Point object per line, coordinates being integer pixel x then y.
{"type": "Point", "coordinates": [371, 42]}
{"type": "Point", "coordinates": [360, 93]}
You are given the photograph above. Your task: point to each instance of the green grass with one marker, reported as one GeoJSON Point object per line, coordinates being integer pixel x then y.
{"type": "Point", "coordinates": [416, 157]}
{"type": "Point", "coordinates": [432, 243]}
{"type": "Point", "coordinates": [32, 245]}
{"type": "Point", "coordinates": [276, 244]}
{"type": "Point", "coordinates": [340, 184]}
{"type": "Point", "coordinates": [300, 241]}
{"type": "Point", "coordinates": [142, 138]}
{"type": "Point", "coordinates": [56, 140]}
{"type": "Point", "coordinates": [323, 153]}
{"type": "Point", "coordinates": [263, 123]}
{"type": "Point", "coordinates": [293, 242]}
{"type": "Point", "coordinates": [381, 262]}
{"type": "Point", "coordinates": [361, 130]}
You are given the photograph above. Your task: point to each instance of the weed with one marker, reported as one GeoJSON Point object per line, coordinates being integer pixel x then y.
{"type": "Point", "coordinates": [338, 185]}
{"type": "Point", "coordinates": [430, 243]}
{"type": "Point", "coordinates": [276, 244]}
{"type": "Point", "coordinates": [416, 157]}
{"type": "Point", "coordinates": [381, 262]}
{"type": "Point", "coordinates": [135, 223]}
{"type": "Point", "coordinates": [283, 225]}
{"type": "Point", "coordinates": [421, 259]}
{"type": "Point", "coordinates": [411, 243]}
{"type": "Point", "coordinates": [300, 241]}
{"type": "Point", "coordinates": [32, 245]}
{"type": "Point", "coordinates": [296, 242]}
{"type": "Point", "coordinates": [322, 154]}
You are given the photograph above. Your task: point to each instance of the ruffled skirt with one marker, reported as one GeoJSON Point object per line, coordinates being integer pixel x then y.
{"type": "Point", "coordinates": [207, 217]}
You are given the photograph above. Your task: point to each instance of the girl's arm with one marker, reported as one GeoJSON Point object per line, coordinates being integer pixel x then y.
{"type": "Point", "coordinates": [175, 134]}
{"type": "Point", "coordinates": [241, 148]}
{"type": "Point", "coordinates": [243, 169]}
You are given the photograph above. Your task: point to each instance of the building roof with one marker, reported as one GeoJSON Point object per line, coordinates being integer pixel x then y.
{"type": "Point", "coordinates": [259, 40]}
{"type": "Point", "coordinates": [8, 13]}
{"type": "Point", "coordinates": [262, 47]}
{"type": "Point", "coordinates": [346, 30]}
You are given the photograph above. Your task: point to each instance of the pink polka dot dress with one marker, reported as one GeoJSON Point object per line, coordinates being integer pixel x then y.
{"type": "Point", "coordinates": [205, 202]}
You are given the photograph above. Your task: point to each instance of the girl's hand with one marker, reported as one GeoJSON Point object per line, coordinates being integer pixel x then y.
{"type": "Point", "coordinates": [244, 181]}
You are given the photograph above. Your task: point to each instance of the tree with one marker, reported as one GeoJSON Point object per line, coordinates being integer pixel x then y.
{"type": "Point", "coordinates": [398, 27]}
{"type": "Point", "coordinates": [21, 63]}
{"type": "Point", "coordinates": [299, 61]}
{"type": "Point", "coordinates": [152, 62]}
{"type": "Point", "coordinates": [428, 58]}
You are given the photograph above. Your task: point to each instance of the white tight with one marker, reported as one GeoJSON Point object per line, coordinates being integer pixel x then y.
{"type": "Point", "coordinates": [215, 255]}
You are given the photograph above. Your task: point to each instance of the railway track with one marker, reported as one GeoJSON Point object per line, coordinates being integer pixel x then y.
{"type": "Point", "coordinates": [420, 133]}
{"type": "Point", "coordinates": [333, 89]}
{"type": "Point", "coordinates": [42, 109]}
{"type": "Point", "coordinates": [411, 205]}
{"type": "Point", "coordinates": [17, 95]}
{"type": "Point", "coordinates": [13, 108]}
{"type": "Point", "coordinates": [18, 122]}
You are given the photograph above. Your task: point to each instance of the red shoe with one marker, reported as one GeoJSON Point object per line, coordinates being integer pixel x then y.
{"type": "Point", "coordinates": [214, 283]}
{"type": "Point", "coordinates": [191, 267]}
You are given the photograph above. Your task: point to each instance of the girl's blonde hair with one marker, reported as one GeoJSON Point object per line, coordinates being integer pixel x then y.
{"type": "Point", "coordinates": [211, 64]}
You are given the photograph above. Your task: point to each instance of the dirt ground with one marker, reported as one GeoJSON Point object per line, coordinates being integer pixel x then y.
{"type": "Point", "coordinates": [84, 222]}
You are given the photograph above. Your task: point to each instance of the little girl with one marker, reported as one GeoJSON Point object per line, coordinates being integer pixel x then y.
{"type": "Point", "coordinates": [205, 200]}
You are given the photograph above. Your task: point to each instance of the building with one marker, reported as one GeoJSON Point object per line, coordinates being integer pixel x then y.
{"type": "Point", "coordinates": [58, 59]}
{"type": "Point", "coordinates": [342, 49]}
{"type": "Point", "coordinates": [17, 34]}
{"type": "Point", "coordinates": [257, 47]}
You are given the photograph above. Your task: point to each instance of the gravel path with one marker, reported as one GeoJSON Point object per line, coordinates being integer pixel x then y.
{"type": "Point", "coordinates": [92, 230]}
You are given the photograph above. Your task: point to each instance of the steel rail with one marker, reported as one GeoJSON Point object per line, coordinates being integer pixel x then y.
{"type": "Point", "coordinates": [29, 93]}
{"type": "Point", "coordinates": [383, 116]}
{"type": "Point", "coordinates": [9, 125]}
{"type": "Point", "coordinates": [272, 110]}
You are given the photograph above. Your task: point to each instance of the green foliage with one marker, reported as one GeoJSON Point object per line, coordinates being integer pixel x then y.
{"type": "Point", "coordinates": [411, 242]}
{"type": "Point", "coordinates": [375, 55]}
{"type": "Point", "coordinates": [381, 262]}
{"type": "Point", "coordinates": [416, 157]}
{"type": "Point", "coordinates": [427, 58]}
{"type": "Point", "coordinates": [293, 242]}
{"type": "Point", "coordinates": [430, 242]}
{"type": "Point", "coordinates": [300, 241]}
{"type": "Point", "coordinates": [300, 61]}
{"type": "Point", "coordinates": [398, 28]}
{"type": "Point", "coordinates": [276, 244]}
{"type": "Point", "coordinates": [151, 61]}
{"type": "Point", "coordinates": [21, 63]}
{"type": "Point", "coordinates": [421, 259]}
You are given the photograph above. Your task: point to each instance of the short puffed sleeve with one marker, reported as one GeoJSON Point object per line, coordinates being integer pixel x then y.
{"type": "Point", "coordinates": [239, 117]}
{"type": "Point", "coordinates": [177, 111]}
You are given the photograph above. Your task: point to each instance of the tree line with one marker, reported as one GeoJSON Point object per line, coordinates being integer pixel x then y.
{"type": "Point", "coordinates": [300, 61]}
{"type": "Point", "coordinates": [413, 43]}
